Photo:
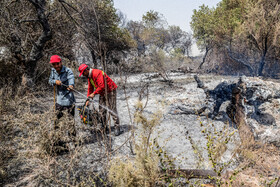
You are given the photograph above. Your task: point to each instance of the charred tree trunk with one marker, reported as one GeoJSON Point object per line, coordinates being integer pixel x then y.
{"type": "Point", "coordinates": [204, 57]}
{"type": "Point", "coordinates": [236, 111]}
{"type": "Point", "coordinates": [37, 48]}
{"type": "Point", "coordinates": [201, 85]}
{"type": "Point", "coordinates": [264, 51]}
{"type": "Point", "coordinates": [262, 63]}
{"type": "Point", "coordinates": [94, 61]}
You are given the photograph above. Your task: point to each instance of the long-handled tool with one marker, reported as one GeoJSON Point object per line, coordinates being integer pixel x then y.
{"type": "Point", "coordinates": [91, 100]}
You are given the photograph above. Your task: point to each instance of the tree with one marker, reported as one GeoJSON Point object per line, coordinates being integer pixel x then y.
{"type": "Point", "coordinates": [154, 32]}
{"type": "Point", "coordinates": [135, 28]}
{"type": "Point", "coordinates": [229, 16]}
{"type": "Point", "coordinates": [97, 23]}
{"type": "Point", "coordinates": [180, 39]}
{"type": "Point", "coordinates": [202, 24]}
{"type": "Point", "coordinates": [153, 19]}
{"type": "Point", "coordinates": [186, 43]}
{"type": "Point", "coordinates": [175, 34]}
{"type": "Point", "coordinates": [122, 19]}
{"type": "Point", "coordinates": [26, 32]}
{"type": "Point", "coordinates": [245, 31]}
{"type": "Point", "coordinates": [261, 28]}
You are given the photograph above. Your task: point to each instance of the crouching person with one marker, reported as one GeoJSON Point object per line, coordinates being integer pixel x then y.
{"type": "Point", "coordinates": [63, 78]}
{"type": "Point", "coordinates": [100, 83]}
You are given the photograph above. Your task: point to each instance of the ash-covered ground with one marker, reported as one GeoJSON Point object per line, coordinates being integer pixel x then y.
{"type": "Point", "coordinates": [183, 137]}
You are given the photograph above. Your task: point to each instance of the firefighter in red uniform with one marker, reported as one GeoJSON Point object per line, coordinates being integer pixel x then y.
{"type": "Point", "coordinates": [97, 85]}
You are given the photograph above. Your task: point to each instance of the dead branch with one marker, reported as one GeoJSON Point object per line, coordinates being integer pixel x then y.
{"type": "Point", "coordinates": [192, 174]}
{"type": "Point", "coordinates": [239, 60]}
{"type": "Point", "coordinates": [201, 85]}
{"type": "Point", "coordinates": [186, 111]}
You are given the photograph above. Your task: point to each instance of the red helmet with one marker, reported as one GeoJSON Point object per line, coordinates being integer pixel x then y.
{"type": "Point", "coordinates": [82, 68]}
{"type": "Point", "coordinates": [55, 58]}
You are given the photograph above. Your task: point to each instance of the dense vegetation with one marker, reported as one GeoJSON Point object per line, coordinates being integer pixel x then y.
{"type": "Point", "coordinates": [237, 36]}
{"type": "Point", "coordinates": [244, 34]}
{"type": "Point", "coordinates": [92, 31]}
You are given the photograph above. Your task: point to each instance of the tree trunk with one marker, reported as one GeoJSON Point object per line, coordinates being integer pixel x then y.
{"type": "Point", "coordinates": [261, 66]}
{"type": "Point", "coordinates": [236, 111]}
{"type": "Point", "coordinates": [103, 58]}
{"type": "Point", "coordinates": [188, 53]}
{"type": "Point", "coordinates": [204, 58]}
{"type": "Point", "coordinates": [262, 62]}
{"type": "Point", "coordinates": [37, 49]}
{"type": "Point", "coordinates": [94, 61]}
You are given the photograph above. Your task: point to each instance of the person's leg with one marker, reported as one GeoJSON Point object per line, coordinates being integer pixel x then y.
{"type": "Point", "coordinates": [71, 110]}
{"type": "Point", "coordinates": [103, 111]}
{"type": "Point", "coordinates": [72, 128]}
{"type": "Point", "coordinates": [59, 114]}
{"type": "Point", "coordinates": [58, 109]}
{"type": "Point", "coordinates": [112, 98]}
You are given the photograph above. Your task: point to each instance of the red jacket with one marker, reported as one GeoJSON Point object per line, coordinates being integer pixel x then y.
{"type": "Point", "coordinates": [98, 83]}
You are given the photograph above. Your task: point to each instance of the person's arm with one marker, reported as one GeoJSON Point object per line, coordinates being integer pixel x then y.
{"type": "Point", "coordinates": [71, 79]}
{"type": "Point", "coordinates": [90, 94]}
{"type": "Point", "coordinates": [90, 88]}
{"type": "Point", "coordinates": [52, 79]}
{"type": "Point", "coordinates": [90, 91]}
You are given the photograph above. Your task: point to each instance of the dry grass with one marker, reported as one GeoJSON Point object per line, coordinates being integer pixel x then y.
{"type": "Point", "coordinates": [144, 169]}
{"type": "Point", "coordinates": [259, 166]}
{"type": "Point", "coordinates": [6, 130]}
{"type": "Point", "coordinates": [38, 160]}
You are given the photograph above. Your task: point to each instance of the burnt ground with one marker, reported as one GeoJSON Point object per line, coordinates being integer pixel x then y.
{"type": "Point", "coordinates": [183, 137]}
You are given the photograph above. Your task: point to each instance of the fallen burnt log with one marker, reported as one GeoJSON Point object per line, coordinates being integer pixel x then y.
{"type": "Point", "coordinates": [236, 93]}
{"type": "Point", "coordinates": [183, 70]}
{"type": "Point", "coordinates": [214, 99]}
{"type": "Point", "coordinates": [252, 96]}
{"type": "Point", "coordinates": [192, 174]}
{"type": "Point", "coordinates": [240, 97]}
{"type": "Point", "coordinates": [178, 110]}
